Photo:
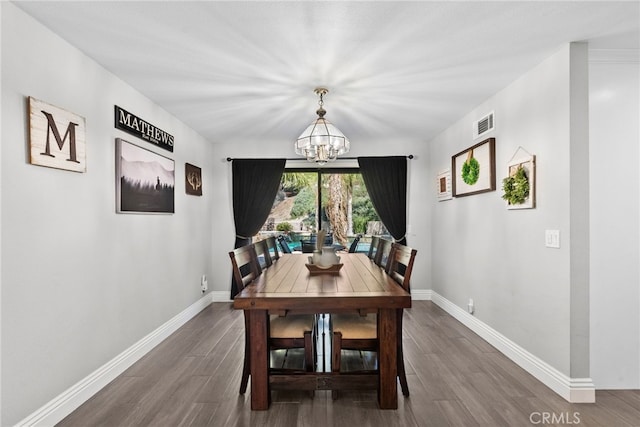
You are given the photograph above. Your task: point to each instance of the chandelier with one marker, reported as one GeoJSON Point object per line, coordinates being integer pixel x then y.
{"type": "Point", "coordinates": [321, 142]}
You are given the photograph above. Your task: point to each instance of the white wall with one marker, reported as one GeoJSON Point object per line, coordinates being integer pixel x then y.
{"type": "Point", "coordinates": [80, 283]}
{"type": "Point", "coordinates": [497, 256]}
{"type": "Point", "coordinates": [614, 83]}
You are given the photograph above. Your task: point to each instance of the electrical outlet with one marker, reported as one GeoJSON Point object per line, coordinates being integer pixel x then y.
{"type": "Point", "coordinates": [204, 285]}
{"type": "Point", "coordinates": [470, 306]}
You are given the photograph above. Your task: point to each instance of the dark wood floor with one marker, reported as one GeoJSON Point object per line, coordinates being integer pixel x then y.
{"type": "Point", "coordinates": [455, 378]}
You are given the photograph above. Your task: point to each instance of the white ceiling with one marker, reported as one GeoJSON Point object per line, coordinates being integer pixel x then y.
{"type": "Point", "coordinates": [245, 71]}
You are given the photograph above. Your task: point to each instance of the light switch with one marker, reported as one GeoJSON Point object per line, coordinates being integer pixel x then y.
{"type": "Point", "coordinates": [552, 238]}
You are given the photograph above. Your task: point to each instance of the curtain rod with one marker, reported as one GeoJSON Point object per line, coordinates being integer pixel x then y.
{"type": "Point", "coordinates": [410, 156]}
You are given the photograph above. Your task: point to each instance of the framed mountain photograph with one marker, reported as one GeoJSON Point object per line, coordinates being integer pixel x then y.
{"type": "Point", "coordinates": [145, 181]}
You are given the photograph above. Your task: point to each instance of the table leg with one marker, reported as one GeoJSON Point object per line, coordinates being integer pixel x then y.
{"type": "Point", "coordinates": [387, 359]}
{"type": "Point", "coordinates": [260, 394]}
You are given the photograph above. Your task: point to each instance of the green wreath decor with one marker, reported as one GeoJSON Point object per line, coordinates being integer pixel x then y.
{"type": "Point", "coordinates": [516, 187]}
{"type": "Point", "coordinates": [470, 171]}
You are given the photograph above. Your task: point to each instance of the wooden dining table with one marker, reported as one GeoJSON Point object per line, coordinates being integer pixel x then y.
{"type": "Point", "coordinates": [288, 287]}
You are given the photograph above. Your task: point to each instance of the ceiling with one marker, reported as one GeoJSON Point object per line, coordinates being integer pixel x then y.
{"type": "Point", "coordinates": [245, 71]}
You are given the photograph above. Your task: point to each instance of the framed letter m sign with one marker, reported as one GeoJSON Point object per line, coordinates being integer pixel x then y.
{"type": "Point", "coordinates": [56, 137]}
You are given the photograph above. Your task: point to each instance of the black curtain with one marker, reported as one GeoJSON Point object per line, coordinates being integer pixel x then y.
{"type": "Point", "coordinates": [255, 185]}
{"type": "Point", "coordinates": [386, 182]}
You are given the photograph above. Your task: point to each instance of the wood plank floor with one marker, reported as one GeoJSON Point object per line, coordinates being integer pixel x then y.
{"type": "Point", "coordinates": [455, 379]}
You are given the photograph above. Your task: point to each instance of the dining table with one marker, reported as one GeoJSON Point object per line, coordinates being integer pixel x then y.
{"type": "Point", "coordinates": [289, 287]}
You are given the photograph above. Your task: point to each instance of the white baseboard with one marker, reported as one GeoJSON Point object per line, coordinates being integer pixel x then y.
{"type": "Point", "coordinates": [421, 294]}
{"type": "Point", "coordinates": [574, 390]}
{"type": "Point", "coordinates": [64, 404]}
{"type": "Point", "coordinates": [221, 296]}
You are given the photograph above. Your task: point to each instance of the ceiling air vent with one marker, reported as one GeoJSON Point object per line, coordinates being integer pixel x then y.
{"type": "Point", "coordinates": [482, 126]}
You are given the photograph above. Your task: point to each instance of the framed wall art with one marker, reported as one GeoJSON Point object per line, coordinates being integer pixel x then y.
{"type": "Point", "coordinates": [193, 179]}
{"type": "Point", "coordinates": [519, 187]}
{"type": "Point", "coordinates": [56, 137]}
{"type": "Point", "coordinates": [443, 185]}
{"type": "Point", "coordinates": [142, 129]}
{"type": "Point", "coordinates": [474, 169]}
{"type": "Point", "coordinates": [145, 180]}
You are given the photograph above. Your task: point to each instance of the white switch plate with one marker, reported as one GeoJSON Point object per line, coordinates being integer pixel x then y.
{"type": "Point", "coordinates": [552, 238]}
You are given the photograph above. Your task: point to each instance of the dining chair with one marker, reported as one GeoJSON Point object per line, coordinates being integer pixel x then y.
{"type": "Point", "coordinates": [307, 247]}
{"type": "Point", "coordinates": [382, 253]}
{"type": "Point", "coordinates": [285, 332]}
{"type": "Point", "coordinates": [273, 248]}
{"type": "Point", "coordinates": [354, 244]}
{"type": "Point", "coordinates": [262, 252]}
{"type": "Point", "coordinates": [356, 332]}
{"type": "Point", "coordinates": [284, 245]}
{"type": "Point", "coordinates": [373, 247]}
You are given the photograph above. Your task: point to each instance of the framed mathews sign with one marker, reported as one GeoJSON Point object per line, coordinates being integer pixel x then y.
{"type": "Point", "coordinates": [142, 129]}
{"type": "Point", "coordinates": [474, 169]}
{"type": "Point", "coordinates": [56, 137]}
{"type": "Point", "coordinates": [145, 181]}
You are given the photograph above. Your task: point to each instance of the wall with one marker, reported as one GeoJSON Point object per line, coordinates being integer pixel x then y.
{"type": "Point", "coordinates": [80, 283]}
{"type": "Point", "coordinates": [498, 257]}
{"type": "Point", "coordinates": [614, 85]}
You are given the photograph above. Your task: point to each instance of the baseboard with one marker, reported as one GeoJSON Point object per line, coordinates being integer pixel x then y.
{"type": "Point", "coordinates": [421, 294]}
{"type": "Point", "coordinates": [574, 390]}
{"type": "Point", "coordinates": [220, 296]}
{"type": "Point", "coordinates": [64, 404]}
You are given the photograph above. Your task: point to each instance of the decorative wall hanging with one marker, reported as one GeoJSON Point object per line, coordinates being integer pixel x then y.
{"type": "Point", "coordinates": [443, 185]}
{"type": "Point", "coordinates": [145, 180]}
{"type": "Point", "coordinates": [519, 187]}
{"type": "Point", "coordinates": [142, 129]}
{"type": "Point", "coordinates": [474, 169]}
{"type": "Point", "coordinates": [56, 137]}
{"type": "Point", "coordinates": [193, 179]}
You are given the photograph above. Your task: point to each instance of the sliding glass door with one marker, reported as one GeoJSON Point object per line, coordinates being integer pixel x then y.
{"type": "Point", "coordinates": [333, 200]}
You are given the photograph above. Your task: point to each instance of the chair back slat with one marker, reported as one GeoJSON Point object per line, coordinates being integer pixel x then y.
{"type": "Point", "coordinates": [382, 253]}
{"type": "Point", "coordinates": [273, 248]}
{"type": "Point", "coordinates": [373, 247]}
{"type": "Point", "coordinates": [262, 252]}
{"type": "Point", "coordinates": [245, 266]}
{"type": "Point", "coordinates": [400, 265]}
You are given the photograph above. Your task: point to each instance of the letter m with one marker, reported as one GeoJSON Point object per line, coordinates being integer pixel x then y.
{"type": "Point", "coordinates": [70, 133]}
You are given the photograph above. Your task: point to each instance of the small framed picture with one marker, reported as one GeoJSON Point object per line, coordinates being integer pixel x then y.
{"type": "Point", "coordinates": [145, 180]}
{"type": "Point", "coordinates": [443, 185]}
{"type": "Point", "coordinates": [474, 169]}
{"type": "Point", "coordinates": [193, 179]}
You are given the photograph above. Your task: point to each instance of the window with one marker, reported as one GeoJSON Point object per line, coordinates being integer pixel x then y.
{"type": "Point", "coordinates": [334, 200]}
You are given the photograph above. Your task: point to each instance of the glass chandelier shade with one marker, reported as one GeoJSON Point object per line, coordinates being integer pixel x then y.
{"type": "Point", "coordinates": [321, 141]}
